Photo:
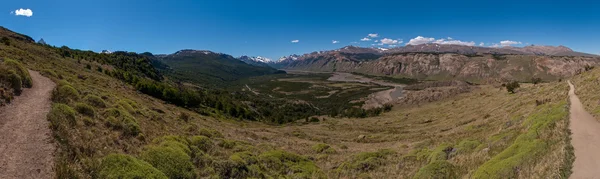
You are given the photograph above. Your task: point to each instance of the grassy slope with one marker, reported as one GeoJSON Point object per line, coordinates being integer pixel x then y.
{"type": "Point", "coordinates": [586, 86]}
{"type": "Point", "coordinates": [488, 122]}
{"type": "Point", "coordinates": [489, 117]}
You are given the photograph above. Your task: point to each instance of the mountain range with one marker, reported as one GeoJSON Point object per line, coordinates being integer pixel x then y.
{"type": "Point", "coordinates": [440, 61]}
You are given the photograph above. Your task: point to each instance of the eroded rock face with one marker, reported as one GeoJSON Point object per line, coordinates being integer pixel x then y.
{"type": "Point", "coordinates": [477, 68]}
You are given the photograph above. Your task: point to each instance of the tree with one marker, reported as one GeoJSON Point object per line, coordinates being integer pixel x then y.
{"type": "Point", "coordinates": [512, 86]}
{"type": "Point", "coordinates": [535, 81]}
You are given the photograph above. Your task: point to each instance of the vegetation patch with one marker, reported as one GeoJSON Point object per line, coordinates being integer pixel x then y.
{"type": "Point", "coordinates": [170, 157]}
{"type": "Point", "coordinates": [367, 161]}
{"type": "Point", "coordinates": [125, 166]}
{"type": "Point", "coordinates": [527, 147]}
{"type": "Point", "coordinates": [437, 169]}
{"type": "Point", "coordinates": [85, 109]}
{"type": "Point", "coordinates": [65, 94]}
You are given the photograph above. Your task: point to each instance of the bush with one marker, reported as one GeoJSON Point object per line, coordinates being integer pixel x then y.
{"type": "Point", "coordinates": [171, 159]}
{"type": "Point", "coordinates": [467, 146]}
{"type": "Point", "coordinates": [65, 94]}
{"type": "Point", "coordinates": [95, 101]}
{"type": "Point", "coordinates": [49, 73]}
{"type": "Point", "coordinates": [122, 120]}
{"type": "Point", "coordinates": [202, 142]}
{"type": "Point", "coordinates": [211, 133]}
{"type": "Point", "coordinates": [535, 81]}
{"type": "Point", "coordinates": [61, 114]}
{"type": "Point", "coordinates": [437, 169]}
{"type": "Point", "coordinates": [21, 71]}
{"type": "Point", "coordinates": [125, 166]}
{"type": "Point", "coordinates": [15, 82]}
{"type": "Point", "coordinates": [320, 148]}
{"type": "Point", "coordinates": [367, 161]}
{"type": "Point", "coordinates": [284, 163]}
{"type": "Point", "coordinates": [85, 109]}
{"type": "Point", "coordinates": [512, 86]}
{"type": "Point", "coordinates": [440, 153]}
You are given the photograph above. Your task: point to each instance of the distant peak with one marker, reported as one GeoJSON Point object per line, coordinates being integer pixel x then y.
{"type": "Point", "coordinates": [41, 41]}
{"type": "Point", "coordinates": [106, 52]}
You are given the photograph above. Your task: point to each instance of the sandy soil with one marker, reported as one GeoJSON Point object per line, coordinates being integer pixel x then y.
{"type": "Point", "coordinates": [585, 139]}
{"type": "Point", "coordinates": [26, 148]}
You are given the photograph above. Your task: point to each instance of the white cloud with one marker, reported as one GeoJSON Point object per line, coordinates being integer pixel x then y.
{"type": "Point", "coordinates": [447, 41]}
{"type": "Point", "coordinates": [393, 45]}
{"type": "Point", "coordinates": [373, 35]}
{"type": "Point", "coordinates": [495, 45]}
{"type": "Point", "coordinates": [295, 41]}
{"type": "Point", "coordinates": [454, 42]}
{"type": "Point", "coordinates": [386, 41]}
{"type": "Point", "coordinates": [482, 44]}
{"type": "Point", "coordinates": [420, 40]}
{"type": "Point", "coordinates": [365, 39]}
{"type": "Point", "coordinates": [505, 43]}
{"type": "Point", "coordinates": [23, 12]}
{"type": "Point", "coordinates": [376, 40]}
{"type": "Point", "coordinates": [335, 41]}
{"type": "Point", "coordinates": [353, 42]}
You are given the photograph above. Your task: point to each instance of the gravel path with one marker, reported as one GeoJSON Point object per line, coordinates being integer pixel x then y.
{"type": "Point", "coordinates": [26, 144]}
{"type": "Point", "coordinates": [585, 139]}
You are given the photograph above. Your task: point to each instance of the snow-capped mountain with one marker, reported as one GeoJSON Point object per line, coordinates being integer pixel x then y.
{"type": "Point", "coordinates": [256, 61]}
{"type": "Point", "coordinates": [106, 52]}
{"type": "Point", "coordinates": [288, 58]}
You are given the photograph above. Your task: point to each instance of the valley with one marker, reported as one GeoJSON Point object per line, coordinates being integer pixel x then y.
{"type": "Point", "coordinates": [436, 111]}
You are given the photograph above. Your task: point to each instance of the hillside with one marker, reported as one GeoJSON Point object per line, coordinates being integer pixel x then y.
{"type": "Point", "coordinates": [116, 116]}
{"type": "Point", "coordinates": [443, 64]}
{"type": "Point", "coordinates": [205, 67]}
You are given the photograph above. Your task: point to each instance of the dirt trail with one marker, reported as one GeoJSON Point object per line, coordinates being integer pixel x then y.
{"type": "Point", "coordinates": [26, 148]}
{"type": "Point", "coordinates": [585, 139]}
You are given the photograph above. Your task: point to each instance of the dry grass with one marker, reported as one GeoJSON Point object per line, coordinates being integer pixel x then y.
{"type": "Point", "coordinates": [412, 135]}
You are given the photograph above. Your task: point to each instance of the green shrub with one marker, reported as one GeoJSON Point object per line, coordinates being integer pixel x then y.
{"type": "Point", "coordinates": [171, 159]}
{"type": "Point", "coordinates": [125, 166]}
{"type": "Point", "coordinates": [21, 71]}
{"type": "Point", "coordinates": [437, 169]}
{"type": "Point", "coordinates": [122, 120]}
{"type": "Point", "coordinates": [440, 153]}
{"type": "Point", "coordinates": [284, 163]}
{"type": "Point", "coordinates": [418, 154]}
{"type": "Point", "coordinates": [228, 144]}
{"type": "Point", "coordinates": [65, 94]}
{"type": "Point", "coordinates": [125, 105]}
{"type": "Point", "coordinates": [211, 133]}
{"type": "Point", "coordinates": [61, 114]}
{"type": "Point", "coordinates": [85, 109]}
{"type": "Point", "coordinates": [320, 148]}
{"type": "Point", "coordinates": [202, 142]}
{"type": "Point", "coordinates": [367, 161]}
{"type": "Point", "coordinates": [63, 83]}
{"type": "Point", "coordinates": [467, 146]}
{"type": "Point", "coordinates": [512, 86]}
{"type": "Point", "coordinates": [95, 101]}
{"type": "Point", "coordinates": [49, 73]}
{"type": "Point", "coordinates": [15, 82]}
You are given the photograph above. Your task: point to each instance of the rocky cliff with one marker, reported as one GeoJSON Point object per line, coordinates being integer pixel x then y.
{"type": "Point", "coordinates": [443, 66]}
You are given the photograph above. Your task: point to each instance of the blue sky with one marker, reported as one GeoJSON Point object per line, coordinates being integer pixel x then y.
{"type": "Point", "coordinates": [267, 28]}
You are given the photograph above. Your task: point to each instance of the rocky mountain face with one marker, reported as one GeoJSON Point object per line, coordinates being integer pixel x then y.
{"type": "Point", "coordinates": [444, 62]}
